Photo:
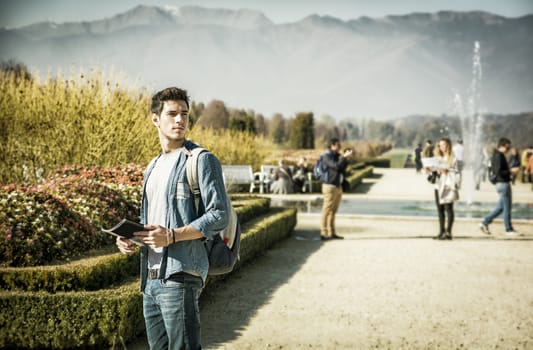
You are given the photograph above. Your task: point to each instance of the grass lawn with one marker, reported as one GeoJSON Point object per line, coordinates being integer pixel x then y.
{"type": "Point", "coordinates": [397, 156]}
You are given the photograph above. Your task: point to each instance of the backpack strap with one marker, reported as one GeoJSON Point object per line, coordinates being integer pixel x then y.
{"type": "Point", "coordinates": [192, 172]}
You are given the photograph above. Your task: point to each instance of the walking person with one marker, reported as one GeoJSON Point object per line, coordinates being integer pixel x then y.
{"type": "Point", "coordinates": [501, 174]}
{"type": "Point", "coordinates": [174, 261]}
{"type": "Point", "coordinates": [335, 165]}
{"type": "Point", "coordinates": [446, 187]}
{"type": "Point", "coordinates": [418, 158]}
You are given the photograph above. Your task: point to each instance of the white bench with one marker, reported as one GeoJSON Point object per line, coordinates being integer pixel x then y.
{"type": "Point", "coordinates": [237, 175]}
{"type": "Point", "coordinates": [263, 178]}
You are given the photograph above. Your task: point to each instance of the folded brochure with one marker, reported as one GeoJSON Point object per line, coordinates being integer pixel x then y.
{"type": "Point", "coordinates": [125, 229]}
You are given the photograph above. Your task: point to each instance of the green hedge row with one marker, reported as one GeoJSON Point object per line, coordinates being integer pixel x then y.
{"type": "Point", "coordinates": [70, 319]}
{"type": "Point", "coordinates": [356, 177]}
{"type": "Point", "coordinates": [261, 233]}
{"type": "Point", "coordinates": [248, 208]}
{"type": "Point", "coordinates": [87, 274]}
{"type": "Point", "coordinates": [112, 316]}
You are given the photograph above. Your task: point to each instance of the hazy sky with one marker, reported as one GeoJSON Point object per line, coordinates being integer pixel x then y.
{"type": "Point", "coordinates": [16, 13]}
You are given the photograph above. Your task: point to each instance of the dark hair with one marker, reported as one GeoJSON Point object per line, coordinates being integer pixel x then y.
{"type": "Point", "coordinates": [168, 94]}
{"type": "Point", "coordinates": [504, 142]}
{"type": "Point", "coordinates": [429, 141]}
{"type": "Point", "coordinates": [333, 141]}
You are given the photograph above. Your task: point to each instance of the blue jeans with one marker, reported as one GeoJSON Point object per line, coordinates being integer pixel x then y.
{"type": "Point", "coordinates": [171, 312]}
{"type": "Point", "coordinates": [504, 205]}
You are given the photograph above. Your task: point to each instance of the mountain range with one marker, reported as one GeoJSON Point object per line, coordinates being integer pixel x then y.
{"type": "Point", "coordinates": [361, 68]}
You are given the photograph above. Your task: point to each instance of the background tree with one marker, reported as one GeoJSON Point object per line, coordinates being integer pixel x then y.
{"type": "Point", "coordinates": [349, 130]}
{"type": "Point", "coordinates": [379, 130]}
{"type": "Point", "coordinates": [195, 112]}
{"type": "Point", "coordinates": [261, 125]}
{"type": "Point", "coordinates": [18, 69]}
{"type": "Point", "coordinates": [215, 116]}
{"type": "Point", "coordinates": [325, 129]}
{"type": "Point", "coordinates": [277, 129]}
{"type": "Point", "coordinates": [241, 120]}
{"type": "Point", "coordinates": [302, 131]}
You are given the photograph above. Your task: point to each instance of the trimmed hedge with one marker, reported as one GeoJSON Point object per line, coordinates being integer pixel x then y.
{"type": "Point", "coordinates": [357, 177]}
{"type": "Point", "coordinates": [262, 232]}
{"type": "Point", "coordinates": [71, 319]}
{"type": "Point", "coordinates": [87, 274]}
{"type": "Point", "coordinates": [248, 207]}
{"type": "Point", "coordinates": [112, 316]}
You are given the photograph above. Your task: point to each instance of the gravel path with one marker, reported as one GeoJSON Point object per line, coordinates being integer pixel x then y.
{"type": "Point", "coordinates": [400, 292]}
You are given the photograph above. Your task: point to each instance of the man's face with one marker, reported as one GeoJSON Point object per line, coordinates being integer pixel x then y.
{"type": "Point", "coordinates": [336, 147]}
{"type": "Point", "coordinates": [173, 121]}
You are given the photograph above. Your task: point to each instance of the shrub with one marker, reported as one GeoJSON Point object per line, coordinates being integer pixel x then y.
{"type": "Point", "coordinates": [90, 120]}
{"type": "Point", "coordinates": [106, 268]}
{"type": "Point", "coordinates": [126, 179]}
{"type": "Point", "coordinates": [102, 205]}
{"type": "Point", "coordinates": [36, 228]}
{"type": "Point", "coordinates": [83, 119]}
{"type": "Point", "coordinates": [125, 174]}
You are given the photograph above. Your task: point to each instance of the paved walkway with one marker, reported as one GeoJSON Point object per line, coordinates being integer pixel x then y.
{"type": "Point", "coordinates": [387, 285]}
{"type": "Point", "coordinates": [406, 184]}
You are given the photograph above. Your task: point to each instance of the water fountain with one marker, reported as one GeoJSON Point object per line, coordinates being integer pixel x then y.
{"type": "Point", "coordinates": [472, 123]}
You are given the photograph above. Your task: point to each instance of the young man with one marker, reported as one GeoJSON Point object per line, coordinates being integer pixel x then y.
{"type": "Point", "coordinates": [332, 187]}
{"type": "Point", "coordinates": [174, 262]}
{"type": "Point", "coordinates": [500, 168]}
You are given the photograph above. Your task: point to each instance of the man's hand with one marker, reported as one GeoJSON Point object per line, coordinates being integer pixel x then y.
{"type": "Point", "coordinates": [126, 246]}
{"type": "Point", "coordinates": [154, 236]}
{"type": "Point", "coordinates": [348, 153]}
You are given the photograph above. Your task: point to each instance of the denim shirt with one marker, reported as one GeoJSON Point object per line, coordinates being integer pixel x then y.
{"type": "Point", "coordinates": [212, 215]}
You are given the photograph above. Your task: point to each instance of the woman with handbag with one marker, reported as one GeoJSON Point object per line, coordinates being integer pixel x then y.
{"type": "Point", "coordinates": [446, 187]}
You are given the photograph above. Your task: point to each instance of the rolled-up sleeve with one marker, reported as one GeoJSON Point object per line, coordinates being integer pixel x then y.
{"type": "Point", "coordinates": [214, 197]}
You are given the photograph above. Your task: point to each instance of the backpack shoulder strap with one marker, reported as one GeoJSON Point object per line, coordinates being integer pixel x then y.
{"type": "Point", "coordinates": [192, 172]}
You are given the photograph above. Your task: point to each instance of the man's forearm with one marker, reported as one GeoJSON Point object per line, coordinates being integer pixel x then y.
{"type": "Point", "coordinates": [186, 233]}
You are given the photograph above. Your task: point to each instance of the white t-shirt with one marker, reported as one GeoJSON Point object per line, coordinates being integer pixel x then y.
{"type": "Point", "coordinates": [156, 194]}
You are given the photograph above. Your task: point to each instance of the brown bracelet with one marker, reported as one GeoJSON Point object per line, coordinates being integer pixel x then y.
{"type": "Point", "coordinates": [168, 236]}
{"type": "Point", "coordinates": [173, 235]}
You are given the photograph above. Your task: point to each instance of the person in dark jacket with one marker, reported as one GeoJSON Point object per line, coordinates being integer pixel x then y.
{"type": "Point", "coordinates": [502, 173]}
{"type": "Point", "coordinates": [514, 162]}
{"type": "Point", "coordinates": [332, 187]}
{"type": "Point", "coordinates": [418, 158]}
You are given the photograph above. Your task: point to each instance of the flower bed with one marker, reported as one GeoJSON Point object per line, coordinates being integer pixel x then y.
{"type": "Point", "coordinates": [37, 227]}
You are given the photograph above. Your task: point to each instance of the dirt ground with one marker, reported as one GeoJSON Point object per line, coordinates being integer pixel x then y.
{"type": "Point", "coordinates": [389, 293]}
